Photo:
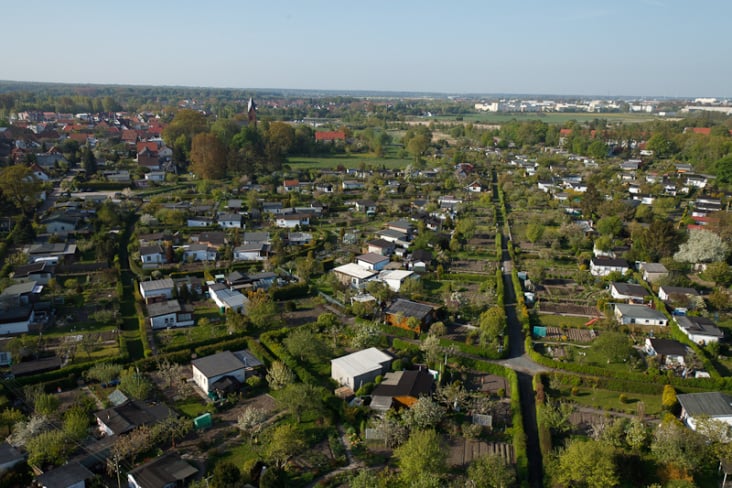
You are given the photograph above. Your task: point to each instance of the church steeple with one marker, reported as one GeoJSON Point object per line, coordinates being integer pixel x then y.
{"type": "Point", "coordinates": [252, 112]}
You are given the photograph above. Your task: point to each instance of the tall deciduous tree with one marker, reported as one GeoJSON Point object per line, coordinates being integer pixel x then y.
{"type": "Point", "coordinates": [279, 375]}
{"type": "Point", "coordinates": [587, 464]}
{"type": "Point", "coordinates": [702, 247]}
{"type": "Point", "coordinates": [20, 186]}
{"type": "Point", "coordinates": [421, 459]}
{"type": "Point", "coordinates": [491, 471]}
{"type": "Point", "coordinates": [208, 156]}
{"type": "Point", "coordinates": [284, 441]}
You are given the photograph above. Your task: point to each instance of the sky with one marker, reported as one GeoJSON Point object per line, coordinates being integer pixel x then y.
{"type": "Point", "coordinates": [669, 48]}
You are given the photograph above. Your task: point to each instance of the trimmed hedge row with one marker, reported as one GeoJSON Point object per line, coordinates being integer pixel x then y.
{"type": "Point", "coordinates": [290, 292]}
{"type": "Point", "coordinates": [545, 435]}
{"type": "Point", "coordinates": [272, 340]}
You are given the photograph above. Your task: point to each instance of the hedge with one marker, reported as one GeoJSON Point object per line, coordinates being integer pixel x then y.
{"type": "Point", "coordinates": [545, 435]}
{"type": "Point", "coordinates": [272, 341]}
{"type": "Point", "coordinates": [290, 292]}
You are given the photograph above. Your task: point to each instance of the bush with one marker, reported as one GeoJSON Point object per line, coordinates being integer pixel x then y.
{"type": "Point", "coordinates": [397, 365]}
{"type": "Point", "coordinates": [624, 398]}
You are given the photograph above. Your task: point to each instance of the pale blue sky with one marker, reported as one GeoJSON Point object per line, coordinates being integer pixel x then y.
{"type": "Point", "coordinates": [583, 47]}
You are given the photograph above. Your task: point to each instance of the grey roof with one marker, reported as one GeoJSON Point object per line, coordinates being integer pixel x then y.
{"type": "Point", "coordinates": [668, 347]}
{"type": "Point", "coordinates": [713, 404]}
{"type": "Point", "coordinates": [9, 454]}
{"type": "Point", "coordinates": [395, 234]}
{"type": "Point", "coordinates": [64, 476]}
{"type": "Point", "coordinates": [699, 326]}
{"type": "Point", "coordinates": [154, 285]}
{"type": "Point", "coordinates": [163, 471]}
{"type": "Point", "coordinates": [630, 289]}
{"type": "Point", "coordinates": [380, 243]}
{"type": "Point", "coordinates": [117, 398]}
{"type": "Point", "coordinates": [410, 309]}
{"type": "Point", "coordinates": [163, 308]}
{"type": "Point", "coordinates": [405, 383]}
{"type": "Point", "coordinates": [679, 290]}
{"type": "Point", "coordinates": [250, 237]}
{"type": "Point", "coordinates": [126, 417]}
{"type": "Point", "coordinates": [36, 366]}
{"type": "Point", "coordinates": [217, 364]}
{"type": "Point", "coordinates": [248, 359]}
{"type": "Point", "coordinates": [372, 258]}
{"type": "Point", "coordinates": [19, 289]}
{"type": "Point", "coordinates": [654, 267]}
{"type": "Point", "coordinates": [615, 263]}
{"type": "Point", "coordinates": [154, 249]}
{"type": "Point", "coordinates": [639, 311]}
{"type": "Point", "coordinates": [401, 224]}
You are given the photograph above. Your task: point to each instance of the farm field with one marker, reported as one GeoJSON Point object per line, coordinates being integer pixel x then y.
{"type": "Point", "coordinates": [549, 118]}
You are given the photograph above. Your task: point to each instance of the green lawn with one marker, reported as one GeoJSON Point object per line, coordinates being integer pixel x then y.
{"type": "Point", "coordinates": [192, 407]}
{"type": "Point", "coordinates": [549, 320]}
{"type": "Point", "coordinates": [610, 400]}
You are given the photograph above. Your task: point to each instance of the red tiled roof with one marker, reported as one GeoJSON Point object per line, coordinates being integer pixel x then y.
{"type": "Point", "coordinates": [79, 137]}
{"type": "Point", "coordinates": [129, 135]}
{"type": "Point", "coordinates": [150, 145]}
{"type": "Point", "coordinates": [330, 136]}
{"type": "Point", "coordinates": [565, 132]}
{"type": "Point", "coordinates": [702, 130]}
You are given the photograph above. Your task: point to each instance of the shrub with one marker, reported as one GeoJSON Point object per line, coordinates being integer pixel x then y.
{"type": "Point", "coordinates": [397, 365]}
{"type": "Point", "coordinates": [574, 391]}
{"type": "Point", "coordinates": [624, 398]}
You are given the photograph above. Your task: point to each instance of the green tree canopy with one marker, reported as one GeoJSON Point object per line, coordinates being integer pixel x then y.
{"type": "Point", "coordinates": [586, 464]}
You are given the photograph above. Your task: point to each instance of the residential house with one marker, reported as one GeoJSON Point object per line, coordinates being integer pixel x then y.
{"type": "Point", "coordinates": [401, 310]}
{"type": "Point", "coordinates": [354, 275]}
{"type": "Point", "coordinates": [653, 272]}
{"type": "Point", "coordinates": [601, 266]}
{"type": "Point", "coordinates": [682, 293]}
{"type": "Point", "coordinates": [170, 313]}
{"type": "Point", "coordinates": [380, 246]}
{"type": "Point", "coordinates": [123, 418]}
{"type": "Point", "coordinates": [290, 221]}
{"type": "Point", "coordinates": [668, 351]}
{"type": "Point", "coordinates": [22, 293]}
{"type": "Point", "coordinates": [166, 471]}
{"type": "Point", "coordinates": [361, 367]}
{"type": "Point", "coordinates": [400, 239]}
{"type": "Point", "coordinates": [70, 475]}
{"type": "Point", "coordinates": [36, 366]}
{"type": "Point", "coordinates": [366, 206]}
{"type": "Point", "coordinates": [155, 176]}
{"type": "Point", "coordinates": [372, 261]}
{"type": "Point", "coordinates": [627, 291]}
{"type": "Point", "coordinates": [711, 405]}
{"type": "Point", "coordinates": [352, 185]}
{"type": "Point", "coordinates": [256, 251]}
{"type": "Point", "coordinates": [474, 187]}
{"type": "Point", "coordinates": [227, 299]}
{"type": "Point", "coordinates": [210, 369]}
{"type": "Point", "coordinates": [639, 315]}
{"type": "Point", "coordinates": [402, 226]}
{"type": "Point", "coordinates": [701, 330]}
{"type": "Point", "coordinates": [157, 290]}
{"type": "Point", "coordinates": [274, 208]}
{"type": "Point", "coordinates": [199, 252]}
{"type": "Point", "coordinates": [213, 238]}
{"type": "Point", "coordinates": [230, 221]}
{"type": "Point", "coordinates": [331, 137]}
{"type": "Point", "coordinates": [290, 186]}
{"type": "Point", "coordinates": [197, 221]}
{"type": "Point", "coordinates": [401, 389]}
{"type": "Point", "coordinates": [395, 278]}
{"type": "Point", "coordinates": [61, 224]}
{"type": "Point", "coordinates": [153, 254]}
{"type": "Point", "coordinates": [14, 318]}
{"type": "Point", "coordinates": [299, 238]}
{"type": "Point", "coordinates": [40, 272]}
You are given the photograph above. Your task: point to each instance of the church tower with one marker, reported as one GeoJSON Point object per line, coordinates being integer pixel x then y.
{"type": "Point", "coordinates": [252, 112]}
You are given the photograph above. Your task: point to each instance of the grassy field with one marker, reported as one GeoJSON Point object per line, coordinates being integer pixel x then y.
{"type": "Point", "coordinates": [549, 118]}
{"type": "Point", "coordinates": [610, 400]}
{"type": "Point", "coordinates": [549, 320]}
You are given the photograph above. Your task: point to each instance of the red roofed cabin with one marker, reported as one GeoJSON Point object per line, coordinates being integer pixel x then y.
{"type": "Point", "coordinates": [332, 136]}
